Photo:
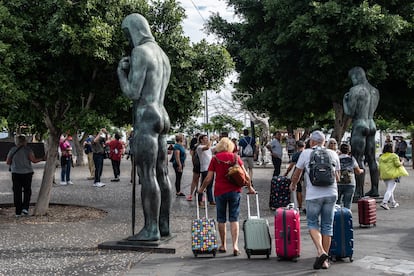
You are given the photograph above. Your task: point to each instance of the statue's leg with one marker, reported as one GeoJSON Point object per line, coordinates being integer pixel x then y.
{"type": "Point", "coordinates": [145, 157]}
{"type": "Point", "coordinates": [165, 187]}
{"type": "Point", "coordinates": [373, 168]}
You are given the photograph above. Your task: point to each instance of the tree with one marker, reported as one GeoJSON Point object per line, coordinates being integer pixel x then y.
{"type": "Point", "coordinates": [225, 123]}
{"type": "Point", "coordinates": [294, 56]}
{"type": "Point", "coordinates": [63, 59]}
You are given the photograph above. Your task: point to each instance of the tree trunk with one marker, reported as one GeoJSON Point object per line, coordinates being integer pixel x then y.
{"type": "Point", "coordinates": [78, 149]}
{"type": "Point", "coordinates": [43, 199]}
{"type": "Point", "coordinates": [342, 122]}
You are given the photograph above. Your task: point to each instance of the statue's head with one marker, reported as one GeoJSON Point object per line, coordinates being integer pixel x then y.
{"type": "Point", "coordinates": [137, 29]}
{"type": "Point", "coordinates": [357, 75]}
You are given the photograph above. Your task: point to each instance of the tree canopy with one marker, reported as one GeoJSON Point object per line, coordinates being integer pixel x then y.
{"type": "Point", "coordinates": [294, 56]}
{"type": "Point", "coordinates": [58, 62]}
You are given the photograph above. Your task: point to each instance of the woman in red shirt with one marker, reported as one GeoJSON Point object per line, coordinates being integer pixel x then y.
{"type": "Point", "coordinates": [227, 195]}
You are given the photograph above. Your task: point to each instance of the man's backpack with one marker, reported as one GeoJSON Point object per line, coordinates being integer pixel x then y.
{"type": "Point", "coordinates": [248, 150]}
{"type": "Point", "coordinates": [321, 168]}
{"type": "Point", "coordinates": [347, 168]}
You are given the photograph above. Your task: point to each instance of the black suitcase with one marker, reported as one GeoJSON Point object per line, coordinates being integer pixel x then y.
{"type": "Point", "coordinates": [279, 192]}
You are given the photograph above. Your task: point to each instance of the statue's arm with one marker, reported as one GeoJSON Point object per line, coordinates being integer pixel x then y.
{"type": "Point", "coordinates": [349, 104]}
{"type": "Point", "coordinates": [132, 79]}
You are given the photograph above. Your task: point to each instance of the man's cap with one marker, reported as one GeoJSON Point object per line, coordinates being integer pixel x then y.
{"type": "Point", "coordinates": [317, 136]}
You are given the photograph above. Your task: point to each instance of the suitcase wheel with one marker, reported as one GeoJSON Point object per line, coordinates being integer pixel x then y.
{"type": "Point", "coordinates": [350, 259]}
{"type": "Point", "coordinates": [214, 253]}
{"type": "Point", "coordinates": [249, 253]}
{"type": "Point", "coordinates": [267, 256]}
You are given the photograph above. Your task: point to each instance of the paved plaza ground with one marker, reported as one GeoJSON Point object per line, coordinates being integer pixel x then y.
{"type": "Point", "coordinates": [70, 248]}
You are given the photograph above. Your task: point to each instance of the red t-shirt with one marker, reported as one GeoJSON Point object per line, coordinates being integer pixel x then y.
{"type": "Point", "coordinates": [222, 184]}
{"type": "Point", "coordinates": [115, 147]}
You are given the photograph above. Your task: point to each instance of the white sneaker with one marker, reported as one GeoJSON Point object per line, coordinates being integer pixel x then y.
{"type": "Point", "coordinates": [395, 205]}
{"type": "Point", "coordinates": [385, 206]}
{"type": "Point", "coordinates": [63, 183]}
{"type": "Point", "coordinates": [70, 182]}
{"type": "Point", "coordinates": [98, 184]}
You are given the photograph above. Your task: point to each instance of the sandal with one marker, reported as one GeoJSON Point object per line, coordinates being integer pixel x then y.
{"type": "Point", "coordinates": [222, 249]}
{"type": "Point", "coordinates": [236, 252]}
{"type": "Point", "coordinates": [320, 260]}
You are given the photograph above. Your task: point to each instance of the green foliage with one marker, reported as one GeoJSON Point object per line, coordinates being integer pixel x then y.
{"type": "Point", "coordinates": [294, 56]}
{"type": "Point", "coordinates": [224, 123]}
{"type": "Point", "coordinates": [58, 62]}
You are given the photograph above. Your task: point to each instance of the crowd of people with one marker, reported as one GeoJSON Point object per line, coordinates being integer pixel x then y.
{"type": "Point", "coordinates": [210, 157]}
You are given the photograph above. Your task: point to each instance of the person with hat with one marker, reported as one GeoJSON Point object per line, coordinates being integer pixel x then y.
{"type": "Point", "coordinates": [320, 200]}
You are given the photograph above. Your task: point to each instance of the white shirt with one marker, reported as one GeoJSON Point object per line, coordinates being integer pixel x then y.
{"type": "Point", "coordinates": [314, 192]}
{"type": "Point", "coordinates": [204, 156]}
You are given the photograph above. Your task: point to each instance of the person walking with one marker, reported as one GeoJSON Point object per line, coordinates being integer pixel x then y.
{"type": "Point", "coordinates": [391, 168]}
{"type": "Point", "coordinates": [346, 184]}
{"type": "Point", "coordinates": [320, 200]}
{"type": "Point", "coordinates": [205, 154]}
{"type": "Point", "coordinates": [247, 148]}
{"type": "Point", "coordinates": [227, 195]}
{"type": "Point", "coordinates": [195, 159]}
{"type": "Point", "coordinates": [20, 159]}
{"type": "Point", "coordinates": [116, 149]}
{"type": "Point", "coordinates": [276, 151]}
{"type": "Point", "coordinates": [300, 145]}
{"type": "Point", "coordinates": [178, 161]}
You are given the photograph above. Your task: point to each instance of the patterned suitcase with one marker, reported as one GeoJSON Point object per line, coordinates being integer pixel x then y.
{"type": "Point", "coordinates": [287, 233]}
{"type": "Point", "coordinates": [279, 192]}
{"type": "Point", "coordinates": [257, 240]}
{"type": "Point", "coordinates": [203, 234]}
{"type": "Point", "coordinates": [367, 212]}
{"type": "Point", "coordinates": [342, 244]}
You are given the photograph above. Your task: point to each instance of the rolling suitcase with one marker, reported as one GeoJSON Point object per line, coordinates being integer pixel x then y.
{"type": "Point", "coordinates": [203, 234]}
{"type": "Point", "coordinates": [279, 192]}
{"type": "Point", "coordinates": [257, 240]}
{"type": "Point", "coordinates": [287, 233]}
{"type": "Point", "coordinates": [367, 212]}
{"type": "Point", "coordinates": [342, 244]}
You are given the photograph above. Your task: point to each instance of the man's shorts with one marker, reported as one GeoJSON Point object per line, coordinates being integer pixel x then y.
{"type": "Point", "coordinates": [248, 162]}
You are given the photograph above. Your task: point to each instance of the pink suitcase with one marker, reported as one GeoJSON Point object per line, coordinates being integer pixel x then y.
{"type": "Point", "coordinates": [287, 233]}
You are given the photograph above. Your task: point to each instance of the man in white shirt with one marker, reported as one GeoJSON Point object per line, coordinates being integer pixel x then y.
{"type": "Point", "coordinates": [320, 200]}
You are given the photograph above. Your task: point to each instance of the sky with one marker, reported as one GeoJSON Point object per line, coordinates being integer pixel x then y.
{"type": "Point", "coordinates": [196, 17]}
{"type": "Point", "coordinates": [198, 11]}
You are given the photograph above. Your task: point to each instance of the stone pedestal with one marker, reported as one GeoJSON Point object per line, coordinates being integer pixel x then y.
{"type": "Point", "coordinates": [159, 246]}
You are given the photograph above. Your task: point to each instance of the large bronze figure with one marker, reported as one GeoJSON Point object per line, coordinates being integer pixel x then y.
{"type": "Point", "coordinates": [360, 103]}
{"type": "Point", "coordinates": [144, 78]}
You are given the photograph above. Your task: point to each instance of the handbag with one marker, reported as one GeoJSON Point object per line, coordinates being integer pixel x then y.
{"type": "Point", "coordinates": [236, 174]}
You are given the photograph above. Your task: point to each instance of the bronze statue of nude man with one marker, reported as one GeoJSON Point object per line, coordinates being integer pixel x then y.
{"type": "Point", "coordinates": [360, 104]}
{"type": "Point", "coordinates": [144, 78]}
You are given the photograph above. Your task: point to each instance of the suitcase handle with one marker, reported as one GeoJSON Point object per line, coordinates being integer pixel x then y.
{"type": "Point", "coordinates": [198, 207]}
{"type": "Point", "coordinates": [257, 207]}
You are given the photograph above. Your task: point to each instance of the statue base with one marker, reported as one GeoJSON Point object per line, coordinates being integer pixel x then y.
{"type": "Point", "coordinates": [141, 246]}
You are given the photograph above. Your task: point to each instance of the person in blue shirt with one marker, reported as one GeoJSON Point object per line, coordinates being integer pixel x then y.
{"type": "Point", "coordinates": [178, 161]}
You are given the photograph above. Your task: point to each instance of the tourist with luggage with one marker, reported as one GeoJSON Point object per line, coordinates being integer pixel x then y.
{"type": "Point", "coordinates": [227, 195]}
{"type": "Point", "coordinates": [321, 193]}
